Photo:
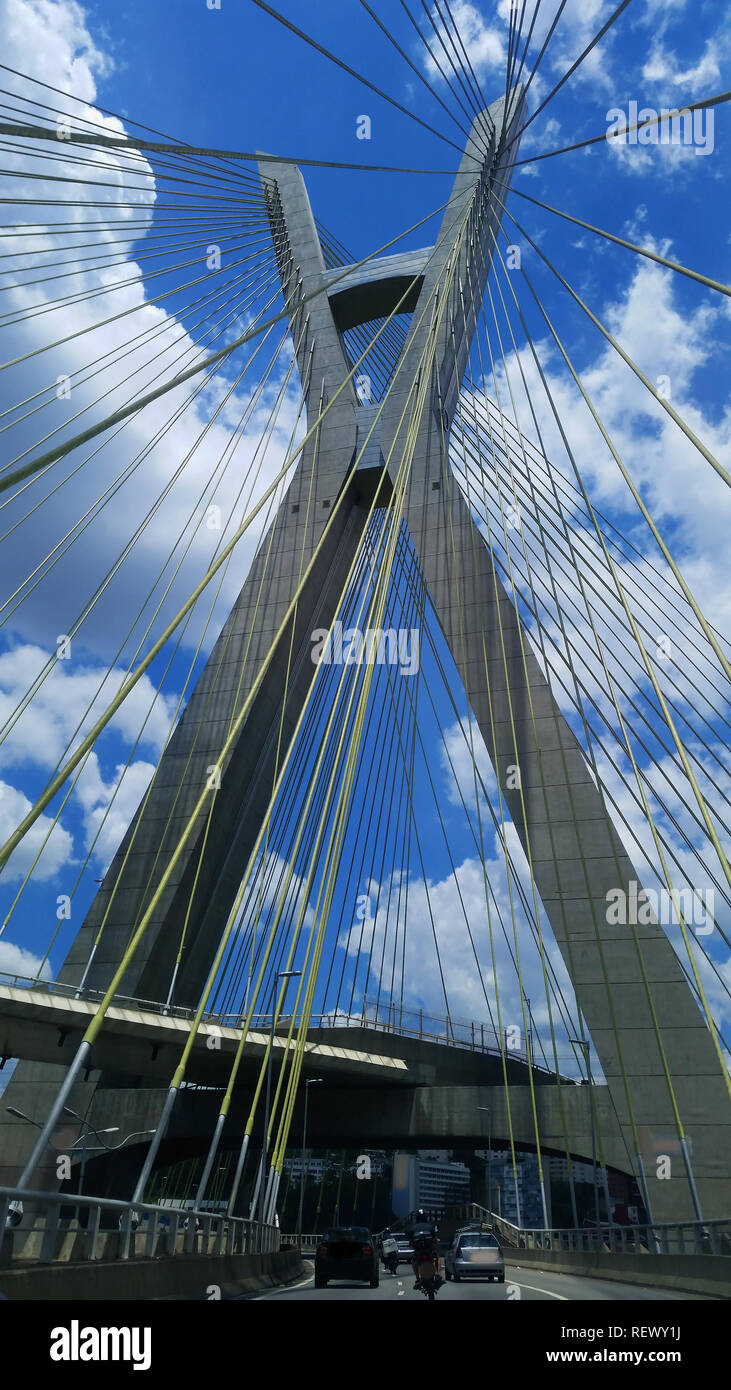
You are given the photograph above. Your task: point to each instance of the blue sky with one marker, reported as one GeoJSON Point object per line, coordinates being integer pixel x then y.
{"type": "Point", "coordinates": [217, 76]}
{"type": "Point", "coordinates": [233, 78]}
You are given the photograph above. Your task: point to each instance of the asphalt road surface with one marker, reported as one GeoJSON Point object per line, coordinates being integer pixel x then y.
{"type": "Point", "coordinates": [531, 1284]}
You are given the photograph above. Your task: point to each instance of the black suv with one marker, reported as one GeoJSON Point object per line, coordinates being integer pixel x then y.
{"type": "Point", "coordinates": [346, 1252]}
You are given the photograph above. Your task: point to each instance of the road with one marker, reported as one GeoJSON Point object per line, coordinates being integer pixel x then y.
{"type": "Point", "coordinates": [532, 1284]}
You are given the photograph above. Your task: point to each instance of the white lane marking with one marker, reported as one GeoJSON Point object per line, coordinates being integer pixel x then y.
{"type": "Point", "coordinates": [534, 1288]}
{"type": "Point", "coordinates": [273, 1293]}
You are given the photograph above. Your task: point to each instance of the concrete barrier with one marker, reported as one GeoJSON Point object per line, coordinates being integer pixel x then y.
{"type": "Point", "coordinates": [191, 1277]}
{"type": "Point", "coordinates": [70, 1244]}
{"type": "Point", "coordinates": [701, 1274]}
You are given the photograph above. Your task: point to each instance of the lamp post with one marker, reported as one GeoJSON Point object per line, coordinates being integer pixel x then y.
{"type": "Point", "coordinates": [263, 1186]}
{"type": "Point", "coordinates": [487, 1111]}
{"type": "Point", "coordinates": [19, 1115]}
{"type": "Point", "coordinates": [313, 1081]}
{"type": "Point", "coordinates": [105, 1148]}
{"type": "Point", "coordinates": [87, 1148]}
{"type": "Point", "coordinates": [98, 1132]}
{"type": "Point", "coordinates": [102, 1147]}
{"type": "Point", "coordinates": [584, 1045]}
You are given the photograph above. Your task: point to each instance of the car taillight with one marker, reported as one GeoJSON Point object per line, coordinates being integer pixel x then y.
{"type": "Point", "coordinates": [367, 1249]}
{"type": "Point", "coordinates": [321, 1249]}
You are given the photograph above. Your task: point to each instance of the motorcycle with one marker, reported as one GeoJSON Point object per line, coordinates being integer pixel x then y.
{"type": "Point", "coordinates": [391, 1262]}
{"type": "Point", "coordinates": [428, 1278]}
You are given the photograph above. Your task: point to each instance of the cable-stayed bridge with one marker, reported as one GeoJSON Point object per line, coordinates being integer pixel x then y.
{"type": "Point", "coordinates": [415, 735]}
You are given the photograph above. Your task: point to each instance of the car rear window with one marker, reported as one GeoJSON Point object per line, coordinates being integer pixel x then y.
{"type": "Point", "coordinates": [478, 1241]}
{"type": "Point", "coordinates": [348, 1233]}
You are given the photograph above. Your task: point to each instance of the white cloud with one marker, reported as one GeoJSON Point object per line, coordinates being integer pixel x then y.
{"type": "Point", "coordinates": [686, 498]}
{"type": "Point", "coordinates": [75, 691]}
{"type": "Point", "coordinates": [55, 32]}
{"type": "Point", "coordinates": [460, 740]}
{"type": "Point", "coordinates": [15, 960]}
{"type": "Point", "coordinates": [664, 70]}
{"type": "Point", "coordinates": [198, 458]}
{"type": "Point", "coordinates": [54, 722]}
{"type": "Point", "coordinates": [485, 32]}
{"type": "Point", "coordinates": [448, 948]}
{"type": "Point", "coordinates": [53, 855]}
{"type": "Point", "coordinates": [73, 694]}
{"type": "Point", "coordinates": [660, 12]}
{"type": "Point", "coordinates": [484, 41]}
{"type": "Point", "coordinates": [109, 807]}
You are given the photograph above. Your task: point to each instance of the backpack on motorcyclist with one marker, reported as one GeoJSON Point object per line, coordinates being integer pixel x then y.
{"type": "Point", "coordinates": [423, 1240]}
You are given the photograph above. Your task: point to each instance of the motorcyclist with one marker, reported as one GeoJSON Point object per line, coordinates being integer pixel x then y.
{"type": "Point", "coordinates": [389, 1251]}
{"type": "Point", "coordinates": [424, 1239]}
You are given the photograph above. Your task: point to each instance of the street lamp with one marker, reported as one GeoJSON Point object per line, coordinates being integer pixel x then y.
{"type": "Point", "coordinates": [263, 1185]}
{"type": "Point", "coordinates": [104, 1148]}
{"type": "Point", "coordinates": [313, 1081]}
{"type": "Point", "coordinates": [109, 1148]}
{"type": "Point", "coordinates": [83, 1121]}
{"type": "Point", "coordinates": [584, 1045]}
{"type": "Point", "coordinates": [486, 1110]}
{"type": "Point", "coordinates": [19, 1115]}
{"type": "Point", "coordinates": [94, 1148]}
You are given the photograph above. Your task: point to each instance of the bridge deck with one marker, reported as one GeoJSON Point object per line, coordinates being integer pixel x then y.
{"type": "Point", "coordinates": [46, 1027]}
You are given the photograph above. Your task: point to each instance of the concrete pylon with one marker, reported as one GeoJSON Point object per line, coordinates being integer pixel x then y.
{"type": "Point", "coordinates": [558, 810]}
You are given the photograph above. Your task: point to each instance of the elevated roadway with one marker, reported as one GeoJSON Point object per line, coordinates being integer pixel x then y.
{"type": "Point", "coordinates": [382, 1089]}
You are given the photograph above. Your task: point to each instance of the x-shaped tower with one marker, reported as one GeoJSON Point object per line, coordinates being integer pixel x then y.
{"type": "Point", "coordinates": [629, 984]}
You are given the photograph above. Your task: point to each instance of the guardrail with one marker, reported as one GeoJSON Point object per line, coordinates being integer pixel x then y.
{"type": "Point", "coordinates": [381, 1017]}
{"type": "Point", "coordinates": [664, 1238]}
{"type": "Point", "coordinates": [374, 1014]}
{"type": "Point", "coordinates": [53, 1227]}
{"type": "Point", "coordinates": [667, 1238]}
{"type": "Point", "coordinates": [388, 1017]}
{"type": "Point", "coordinates": [307, 1241]}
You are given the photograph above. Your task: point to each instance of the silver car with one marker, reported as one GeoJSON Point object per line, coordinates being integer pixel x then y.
{"type": "Point", "coordinates": [475, 1253]}
{"type": "Point", "coordinates": [405, 1247]}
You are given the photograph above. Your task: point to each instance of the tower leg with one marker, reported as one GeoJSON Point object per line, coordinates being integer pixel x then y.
{"type": "Point", "coordinates": [577, 857]}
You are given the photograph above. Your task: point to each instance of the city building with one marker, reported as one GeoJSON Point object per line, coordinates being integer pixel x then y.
{"type": "Point", "coordinates": [527, 1180]}
{"type": "Point", "coordinates": [557, 1170]}
{"type": "Point", "coordinates": [428, 1179]}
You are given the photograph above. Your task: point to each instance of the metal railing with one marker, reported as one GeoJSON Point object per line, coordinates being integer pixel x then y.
{"type": "Point", "coordinates": [381, 1016]}
{"type": "Point", "coordinates": [660, 1238]}
{"type": "Point", "coordinates": [663, 1238]}
{"type": "Point", "coordinates": [374, 1014]}
{"type": "Point", "coordinates": [389, 1017]}
{"type": "Point", "coordinates": [306, 1242]}
{"type": "Point", "coordinates": [53, 1227]}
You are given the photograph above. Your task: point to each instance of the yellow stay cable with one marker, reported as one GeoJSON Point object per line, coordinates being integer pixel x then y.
{"type": "Point", "coordinates": [285, 889]}
{"type": "Point", "coordinates": [338, 829]}
{"type": "Point", "coordinates": [630, 616]}
{"type": "Point", "coordinates": [648, 813]}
